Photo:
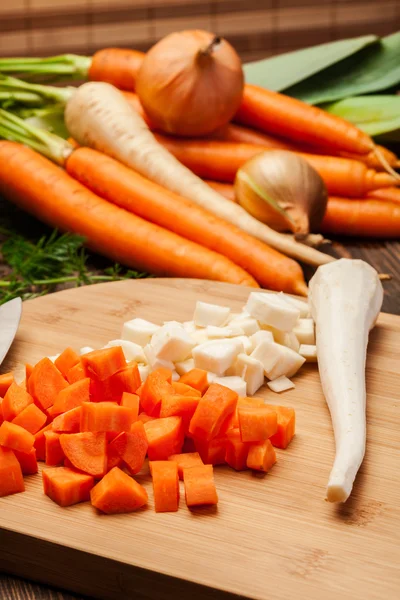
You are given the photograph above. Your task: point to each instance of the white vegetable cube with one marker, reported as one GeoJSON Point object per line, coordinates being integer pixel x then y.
{"type": "Point", "coordinates": [249, 325]}
{"type": "Point", "coordinates": [189, 326]}
{"type": "Point", "coordinates": [281, 384]}
{"type": "Point", "coordinates": [138, 331]}
{"type": "Point", "coordinates": [144, 371]}
{"type": "Point", "coordinates": [260, 336]}
{"type": "Point", "coordinates": [210, 314]}
{"type": "Point", "coordinates": [234, 316]}
{"type": "Point", "coordinates": [246, 342]}
{"type": "Point", "coordinates": [228, 331]}
{"type": "Point", "coordinates": [131, 350]}
{"type": "Point", "coordinates": [266, 353]}
{"type": "Point", "coordinates": [237, 384]}
{"type": "Point", "coordinates": [291, 341]}
{"type": "Point", "coordinates": [251, 370]}
{"type": "Point", "coordinates": [175, 376]}
{"type": "Point", "coordinates": [184, 366]}
{"type": "Point", "coordinates": [277, 360]}
{"type": "Point", "coordinates": [304, 331]}
{"type": "Point", "coordinates": [200, 336]}
{"type": "Point", "coordinates": [299, 304]}
{"type": "Point", "coordinates": [217, 355]}
{"type": "Point", "coordinates": [154, 361]}
{"type": "Point", "coordinates": [309, 352]}
{"type": "Point", "coordinates": [272, 309]}
{"type": "Point", "coordinates": [85, 350]}
{"type": "Point", "coordinates": [172, 343]}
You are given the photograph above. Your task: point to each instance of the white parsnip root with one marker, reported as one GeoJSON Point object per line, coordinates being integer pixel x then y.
{"type": "Point", "coordinates": [98, 116]}
{"type": "Point", "coordinates": [345, 300]}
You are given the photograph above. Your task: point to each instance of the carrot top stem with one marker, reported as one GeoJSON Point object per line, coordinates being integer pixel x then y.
{"type": "Point", "coordinates": [46, 92]}
{"type": "Point", "coordinates": [72, 65]}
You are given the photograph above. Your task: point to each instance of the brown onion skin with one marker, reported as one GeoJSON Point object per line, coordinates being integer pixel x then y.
{"type": "Point", "coordinates": [190, 83]}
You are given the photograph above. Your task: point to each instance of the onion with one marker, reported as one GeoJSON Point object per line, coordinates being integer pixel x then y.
{"type": "Point", "coordinates": [190, 83]}
{"type": "Point", "coordinates": [282, 190]}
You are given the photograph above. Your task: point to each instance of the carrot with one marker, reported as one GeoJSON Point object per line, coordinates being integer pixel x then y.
{"type": "Point", "coordinates": [144, 418]}
{"type": "Point", "coordinates": [67, 359]}
{"type": "Point", "coordinates": [16, 399]}
{"type": "Point", "coordinates": [11, 479]}
{"type": "Point", "coordinates": [165, 437]}
{"type": "Point", "coordinates": [72, 396]}
{"type": "Point", "coordinates": [132, 447]}
{"type": "Point", "coordinates": [40, 442]}
{"type": "Point", "coordinates": [212, 412]}
{"type": "Point", "coordinates": [118, 66]}
{"type": "Point", "coordinates": [199, 485]}
{"type": "Point", "coordinates": [5, 381]}
{"type": "Point", "coordinates": [253, 402]}
{"type": "Point", "coordinates": [225, 189]}
{"type": "Point", "coordinates": [190, 459]}
{"type": "Point", "coordinates": [236, 451]}
{"type": "Point", "coordinates": [86, 451]}
{"type": "Point", "coordinates": [53, 449]}
{"type": "Point", "coordinates": [212, 452]}
{"type": "Point", "coordinates": [216, 160]}
{"type": "Point", "coordinates": [386, 194]}
{"type": "Point", "coordinates": [28, 372]}
{"type": "Point", "coordinates": [76, 373]}
{"type": "Point", "coordinates": [165, 485]}
{"type": "Point", "coordinates": [140, 388]}
{"type": "Point", "coordinates": [1, 411]}
{"type": "Point", "coordinates": [131, 401]}
{"type": "Point", "coordinates": [68, 422]}
{"type": "Point", "coordinates": [110, 230]}
{"type": "Point", "coordinates": [362, 218]}
{"type": "Point", "coordinates": [27, 461]}
{"type": "Point", "coordinates": [118, 493]}
{"type": "Point", "coordinates": [257, 424]}
{"type": "Point", "coordinates": [154, 389]}
{"type": "Point", "coordinates": [103, 363]}
{"type": "Point", "coordinates": [31, 418]}
{"type": "Point", "coordinates": [15, 437]}
{"type": "Point", "coordinates": [45, 382]}
{"type": "Point", "coordinates": [197, 379]}
{"type": "Point", "coordinates": [66, 487]}
{"type": "Point", "coordinates": [113, 457]}
{"type": "Point", "coordinates": [286, 426]}
{"type": "Point", "coordinates": [185, 390]}
{"type": "Point", "coordinates": [293, 119]}
{"type": "Point", "coordinates": [261, 456]}
{"type": "Point", "coordinates": [105, 416]}
{"type": "Point", "coordinates": [181, 406]}
{"type": "Point", "coordinates": [127, 380]}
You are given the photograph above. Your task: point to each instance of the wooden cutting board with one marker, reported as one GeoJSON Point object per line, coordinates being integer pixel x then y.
{"type": "Point", "coordinates": [271, 538]}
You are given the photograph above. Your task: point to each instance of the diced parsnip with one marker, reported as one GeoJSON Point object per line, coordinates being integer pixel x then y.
{"type": "Point", "coordinates": [233, 316]}
{"type": "Point", "coordinates": [281, 384]}
{"type": "Point", "coordinates": [131, 350]}
{"type": "Point", "coordinates": [172, 343]}
{"type": "Point", "coordinates": [291, 341]}
{"type": "Point", "coordinates": [200, 336]}
{"type": "Point", "coordinates": [228, 331]}
{"type": "Point", "coordinates": [175, 376]}
{"type": "Point", "coordinates": [246, 342]}
{"type": "Point", "coordinates": [304, 331]}
{"type": "Point", "coordinates": [144, 371]}
{"type": "Point", "coordinates": [249, 325]}
{"type": "Point", "coordinates": [154, 362]}
{"type": "Point", "coordinates": [217, 355]}
{"type": "Point", "coordinates": [277, 360]}
{"type": "Point", "coordinates": [301, 305]}
{"type": "Point", "coordinates": [210, 314]}
{"type": "Point", "coordinates": [235, 383]}
{"type": "Point", "coordinates": [138, 331]}
{"type": "Point", "coordinates": [272, 309]}
{"type": "Point", "coordinates": [184, 366]}
{"type": "Point", "coordinates": [309, 351]}
{"type": "Point", "coordinates": [251, 370]}
{"type": "Point", "coordinates": [189, 326]}
{"type": "Point", "coordinates": [277, 334]}
{"type": "Point", "coordinates": [260, 336]}
{"type": "Point", "coordinates": [265, 352]}
{"type": "Point", "coordinates": [85, 350]}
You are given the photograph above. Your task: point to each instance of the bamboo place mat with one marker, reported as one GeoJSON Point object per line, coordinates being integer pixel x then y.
{"type": "Point", "coordinates": [257, 28]}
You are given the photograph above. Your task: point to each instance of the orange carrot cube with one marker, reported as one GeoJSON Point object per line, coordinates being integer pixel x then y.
{"type": "Point", "coordinates": [212, 412]}
{"type": "Point", "coordinates": [11, 479]}
{"type": "Point", "coordinates": [165, 437]}
{"type": "Point", "coordinates": [105, 416]}
{"type": "Point", "coordinates": [15, 437]}
{"type": "Point", "coordinates": [257, 424]}
{"type": "Point", "coordinates": [16, 399]}
{"type": "Point", "coordinates": [199, 485]}
{"type": "Point", "coordinates": [190, 459]}
{"type": "Point", "coordinates": [66, 487]}
{"type": "Point", "coordinates": [31, 418]}
{"type": "Point", "coordinates": [118, 493]}
{"type": "Point", "coordinates": [165, 485]}
{"type": "Point", "coordinates": [261, 456]}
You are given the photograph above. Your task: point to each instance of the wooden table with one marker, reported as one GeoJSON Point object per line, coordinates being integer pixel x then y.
{"type": "Point", "coordinates": [384, 256]}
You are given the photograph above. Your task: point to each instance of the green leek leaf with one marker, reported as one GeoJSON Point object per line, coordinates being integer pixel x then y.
{"type": "Point", "coordinates": [376, 115]}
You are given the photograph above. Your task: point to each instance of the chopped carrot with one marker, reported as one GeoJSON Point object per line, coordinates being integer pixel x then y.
{"type": "Point", "coordinates": [14, 402]}
{"type": "Point", "coordinates": [257, 424]}
{"type": "Point", "coordinates": [181, 406]}
{"type": "Point", "coordinates": [213, 410]}
{"type": "Point", "coordinates": [31, 418]}
{"type": "Point", "coordinates": [66, 487]}
{"type": "Point", "coordinates": [54, 452]}
{"type": "Point", "coordinates": [261, 456]}
{"type": "Point", "coordinates": [155, 388]}
{"type": "Point", "coordinates": [212, 452]}
{"type": "Point", "coordinates": [72, 396]}
{"type": "Point", "coordinates": [45, 383]}
{"type": "Point", "coordinates": [185, 390]}
{"type": "Point", "coordinates": [254, 402]}
{"type": "Point", "coordinates": [125, 380]}
{"type": "Point", "coordinates": [76, 373]}
{"type": "Point", "coordinates": [286, 426]}
{"type": "Point", "coordinates": [131, 401]}
{"type": "Point", "coordinates": [132, 447]}
{"type": "Point", "coordinates": [67, 359]}
{"type": "Point", "coordinates": [199, 485]}
{"type": "Point", "coordinates": [197, 379]}
{"type": "Point", "coordinates": [68, 422]}
{"type": "Point", "coordinates": [11, 479]}
{"type": "Point", "coordinates": [1, 411]}
{"type": "Point", "coordinates": [28, 461]}
{"type": "Point", "coordinates": [236, 451]}
{"type": "Point", "coordinates": [105, 416]}
{"type": "Point", "coordinates": [103, 363]}
{"type": "Point", "coordinates": [165, 437]}
{"type": "Point", "coordinates": [87, 451]}
{"type": "Point", "coordinates": [40, 442]}
{"type": "Point", "coordinates": [190, 459]}
{"type": "Point", "coordinates": [145, 418]}
{"type": "Point", "coordinates": [140, 390]}
{"type": "Point", "coordinates": [165, 485]}
{"type": "Point", "coordinates": [28, 372]}
{"type": "Point", "coordinates": [118, 493]}
{"type": "Point", "coordinates": [113, 457]}
{"type": "Point", "coordinates": [5, 381]}
{"type": "Point", "coordinates": [15, 437]}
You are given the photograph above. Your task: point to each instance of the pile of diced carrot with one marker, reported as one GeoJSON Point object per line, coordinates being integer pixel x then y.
{"type": "Point", "coordinates": [92, 420]}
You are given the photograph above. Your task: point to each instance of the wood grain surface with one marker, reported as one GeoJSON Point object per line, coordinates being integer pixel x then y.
{"type": "Point", "coordinates": [271, 537]}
